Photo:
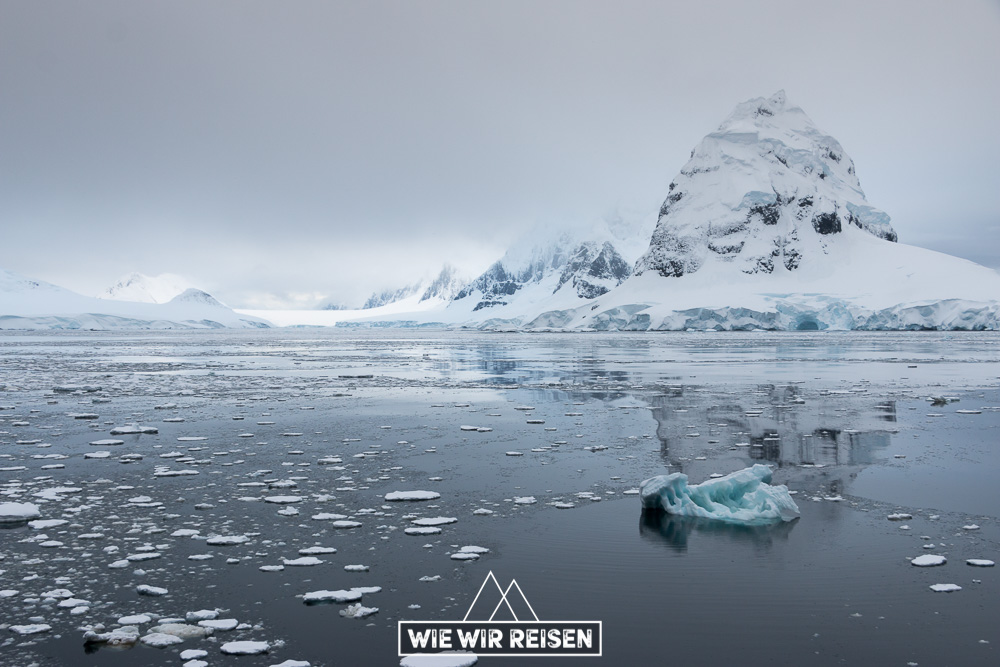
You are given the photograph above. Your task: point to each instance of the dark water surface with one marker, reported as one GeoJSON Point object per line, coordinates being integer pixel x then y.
{"type": "Point", "coordinates": [844, 418]}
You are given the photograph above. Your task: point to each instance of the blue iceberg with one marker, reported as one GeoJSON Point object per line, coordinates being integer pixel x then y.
{"type": "Point", "coordinates": [744, 497]}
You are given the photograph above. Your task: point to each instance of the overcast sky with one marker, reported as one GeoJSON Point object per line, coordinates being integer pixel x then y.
{"type": "Point", "coordinates": [279, 152]}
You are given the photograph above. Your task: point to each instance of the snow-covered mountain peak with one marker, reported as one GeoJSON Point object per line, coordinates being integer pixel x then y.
{"type": "Point", "coordinates": [765, 192]}
{"type": "Point", "coordinates": [569, 263]}
{"type": "Point", "coordinates": [193, 295]}
{"type": "Point", "coordinates": [147, 289]}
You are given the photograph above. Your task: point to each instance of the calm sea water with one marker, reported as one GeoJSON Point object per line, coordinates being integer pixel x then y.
{"type": "Point", "coordinates": [338, 419]}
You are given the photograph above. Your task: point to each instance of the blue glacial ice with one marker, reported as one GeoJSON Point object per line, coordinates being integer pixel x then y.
{"type": "Point", "coordinates": [744, 497]}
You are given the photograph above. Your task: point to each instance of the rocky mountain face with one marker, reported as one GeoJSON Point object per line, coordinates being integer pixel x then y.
{"type": "Point", "coordinates": [385, 297]}
{"type": "Point", "coordinates": [763, 193]}
{"type": "Point", "coordinates": [589, 269]}
{"type": "Point", "coordinates": [444, 286]}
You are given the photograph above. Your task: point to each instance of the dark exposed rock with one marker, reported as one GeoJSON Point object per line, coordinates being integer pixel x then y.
{"type": "Point", "coordinates": [827, 223]}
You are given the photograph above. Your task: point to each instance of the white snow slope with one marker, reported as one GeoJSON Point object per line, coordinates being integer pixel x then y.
{"type": "Point", "coordinates": [32, 304]}
{"type": "Point", "coordinates": [147, 289]}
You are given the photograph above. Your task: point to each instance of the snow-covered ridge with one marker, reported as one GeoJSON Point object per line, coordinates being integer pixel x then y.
{"type": "Point", "coordinates": [32, 304]}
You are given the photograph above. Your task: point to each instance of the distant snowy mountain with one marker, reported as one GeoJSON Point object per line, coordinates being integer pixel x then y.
{"type": "Point", "coordinates": [442, 287]}
{"type": "Point", "coordinates": [555, 266]}
{"type": "Point", "coordinates": [147, 289]}
{"type": "Point", "coordinates": [33, 304]}
{"type": "Point", "coordinates": [385, 297]}
{"type": "Point", "coordinates": [419, 301]}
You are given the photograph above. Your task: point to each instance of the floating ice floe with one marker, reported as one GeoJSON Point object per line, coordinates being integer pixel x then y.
{"type": "Point", "coordinates": [412, 495]}
{"type": "Point", "coordinates": [945, 588]}
{"type": "Point", "coordinates": [160, 640]}
{"type": "Point", "coordinates": [315, 551]}
{"type": "Point", "coordinates": [32, 629]}
{"type": "Point", "coordinates": [124, 636]}
{"type": "Point", "coordinates": [434, 521]}
{"type": "Point", "coordinates": [304, 561]}
{"type": "Point", "coordinates": [356, 610]}
{"type": "Point", "coordinates": [226, 540]}
{"type": "Point", "coordinates": [980, 562]}
{"type": "Point", "coordinates": [283, 500]}
{"type": "Point", "coordinates": [445, 659]}
{"type": "Point", "coordinates": [133, 429]}
{"type": "Point", "coordinates": [743, 497]}
{"type": "Point", "coordinates": [245, 648]}
{"type": "Point", "coordinates": [341, 596]}
{"type": "Point", "coordinates": [183, 630]}
{"type": "Point", "coordinates": [17, 512]}
{"type": "Point", "coordinates": [928, 560]}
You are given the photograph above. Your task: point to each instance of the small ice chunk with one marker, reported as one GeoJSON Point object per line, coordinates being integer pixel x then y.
{"type": "Point", "coordinates": [154, 591]}
{"type": "Point", "coordinates": [304, 561]}
{"type": "Point", "coordinates": [979, 562]}
{"type": "Point", "coordinates": [331, 596]}
{"type": "Point", "coordinates": [160, 640]}
{"type": "Point", "coordinates": [135, 619]}
{"type": "Point", "coordinates": [245, 648]}
{"type": "Point", "coordinates": [124, 636]}
{"type": "Point", "coordinates": [434, 521]}
{"type": "Point", "coordinates": [356, 610]}
{"type": "Point", "coordinates": [945, 588]}
{"type": "Point", "coordinates": [201, 615]}
{"type": "Point", "coordinates": [224, 624]}
{"type": "Point", "coordinates": [183, 630]}
{"type": "Point", "coordinates": [30, 629]}
{"type": "Point", "coordinates": [226, 540]}
{"type": "Point", "coordinates": [444, 659]}
{"type": "Point", "coordinates": [412, 495]}
{"type": "Point", "coordinates": [315, 551]}
{"type": "Point", "coordinates": [16, 512]}
{"type": "Point", "coordinates": [928, 560]}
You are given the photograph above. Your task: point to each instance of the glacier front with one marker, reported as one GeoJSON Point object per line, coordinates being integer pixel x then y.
{"type": "Point", "coordinates": [743, 497]}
